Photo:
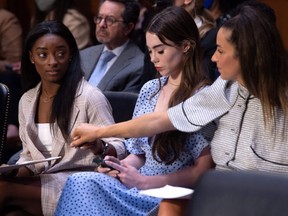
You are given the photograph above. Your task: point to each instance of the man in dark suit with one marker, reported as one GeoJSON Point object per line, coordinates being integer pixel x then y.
{"type": "Point", "coordinates": [114, 25]}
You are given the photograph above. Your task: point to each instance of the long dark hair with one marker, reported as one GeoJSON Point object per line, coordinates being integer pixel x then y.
{"type": "Point", "coordinates": [64, 99]}
{"type": "Point", "coordinates": [175, 24]}
{"type": "Point", "coordinates": [263, 59]}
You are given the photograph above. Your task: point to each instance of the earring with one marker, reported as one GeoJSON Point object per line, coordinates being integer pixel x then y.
{"type": "Point", "coordinates": [32, 62]}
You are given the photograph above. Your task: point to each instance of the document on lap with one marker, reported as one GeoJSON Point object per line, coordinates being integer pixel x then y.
{"type": "Point", "coordinates": [5, 168]}
{"type": "Point", "coordinates": [169, 192]}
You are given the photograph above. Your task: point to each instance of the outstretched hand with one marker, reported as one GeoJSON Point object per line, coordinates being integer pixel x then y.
{"type": "Point", "coordinates": [83, 134]}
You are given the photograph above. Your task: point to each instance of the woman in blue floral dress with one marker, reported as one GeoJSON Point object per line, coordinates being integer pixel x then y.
{"type": "Point", "coordinates": [173, 158]}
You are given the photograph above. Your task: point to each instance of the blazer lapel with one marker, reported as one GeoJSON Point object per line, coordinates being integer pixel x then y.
{"type": "Point", "coordinates": [30, 123]}
{"type": "Point", "coordinates": [59, 141]}
{"type": "Point", "coordinates": [32, 133]}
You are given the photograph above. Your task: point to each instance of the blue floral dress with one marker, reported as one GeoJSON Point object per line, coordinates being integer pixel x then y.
{"type": "Point", "coordinates": [92, 193]}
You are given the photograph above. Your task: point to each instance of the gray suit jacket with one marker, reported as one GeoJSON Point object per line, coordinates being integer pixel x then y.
{"type": "Point", "coordinates": [126, 74]}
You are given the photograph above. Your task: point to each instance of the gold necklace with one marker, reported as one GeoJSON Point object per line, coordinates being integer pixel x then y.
{"type": "Point", "coordinates": [47, 97]}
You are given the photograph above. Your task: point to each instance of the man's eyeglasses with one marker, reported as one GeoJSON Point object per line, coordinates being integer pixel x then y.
{"type": "Point", "coordinates": [109, 20]}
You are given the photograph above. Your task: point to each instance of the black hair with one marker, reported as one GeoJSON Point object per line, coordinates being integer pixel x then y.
{"type": "Point", "coordinates": [64, 99]}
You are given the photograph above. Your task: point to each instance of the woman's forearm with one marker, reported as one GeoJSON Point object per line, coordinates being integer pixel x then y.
{"type": "Point", "coordinates": [143, 126]}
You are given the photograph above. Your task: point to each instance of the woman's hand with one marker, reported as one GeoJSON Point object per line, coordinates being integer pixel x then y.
{"type": "Point", "coordinates": [127, 174]}
{"type": "Point", "coordinates": [83, 135]}
{"type": "Point", "coordinates": [105, 169]}
{"type": "Point", "coordinates": [96, 147]}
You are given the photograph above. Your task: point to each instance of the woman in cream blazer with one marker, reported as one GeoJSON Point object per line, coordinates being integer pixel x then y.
{"type": "Point", "coordinates": [56, 100]}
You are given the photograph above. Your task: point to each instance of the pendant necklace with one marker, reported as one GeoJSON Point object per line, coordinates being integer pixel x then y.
{"type": "Point", "coordinates": [47, 97]}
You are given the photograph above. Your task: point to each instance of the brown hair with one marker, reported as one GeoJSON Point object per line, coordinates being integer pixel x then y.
{"type": "Point", "coordinates": [177, 25]}
{"type": "Point", "coordinates": [262, 57]}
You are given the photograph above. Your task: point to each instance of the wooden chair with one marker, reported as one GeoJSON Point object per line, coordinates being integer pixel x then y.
{"type": "Point", "coordinates": [4, 107]}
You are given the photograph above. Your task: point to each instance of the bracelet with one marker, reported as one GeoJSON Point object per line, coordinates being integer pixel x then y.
{"type": "Point", "coordinates": [105, 148]}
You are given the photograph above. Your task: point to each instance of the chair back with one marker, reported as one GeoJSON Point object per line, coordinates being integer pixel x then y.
{"type": "Point", "coordinates": [4, 107]}
{"type": "Point", "coordinates": [122, 104]}
{"type": "Point", "coordinates": [238, 193]}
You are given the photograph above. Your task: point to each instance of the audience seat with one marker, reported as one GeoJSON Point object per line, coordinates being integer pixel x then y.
{"type": "Point", "coordinates": [231, 193]}
{"type": "Point", "coordinates": [4, 107]}
{"type": "Point", "coordinates": [122, 103]}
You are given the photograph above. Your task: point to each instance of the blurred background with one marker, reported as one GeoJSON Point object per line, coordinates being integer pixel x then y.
{"type": "Point", "coordinates": [25, 9]}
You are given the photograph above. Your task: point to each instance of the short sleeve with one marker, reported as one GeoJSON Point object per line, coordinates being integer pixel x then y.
{"type": "Point", "coordinates": [204, 107]}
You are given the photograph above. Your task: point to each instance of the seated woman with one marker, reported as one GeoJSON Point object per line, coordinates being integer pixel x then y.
{"type": "Point", "coordinates": [56, 100]}
{"type": "Point", "coordinates": [173, 158]}
{"type": "Point", "coordinates": [67, 12]}
{"type": "Point", "coordinates": [250, 101]}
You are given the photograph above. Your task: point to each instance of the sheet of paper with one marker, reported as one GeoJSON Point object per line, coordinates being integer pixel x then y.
{"type": "Point", "coordinates": [169, 192]}
{"type": "Point", "coordinates": [6, 168]}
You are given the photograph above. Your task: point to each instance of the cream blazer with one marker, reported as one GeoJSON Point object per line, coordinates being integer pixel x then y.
{"type": "Point", "coordinates": [90, 106]}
